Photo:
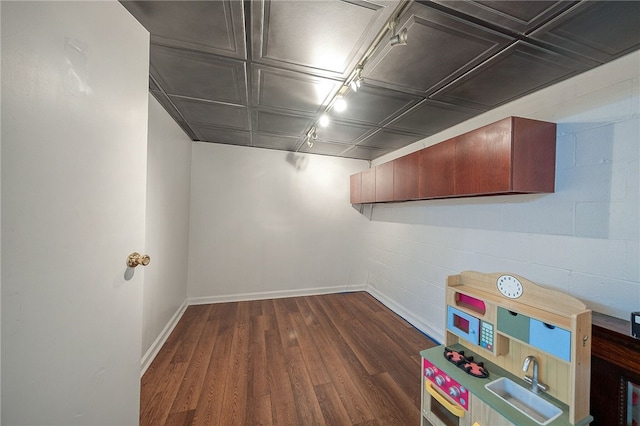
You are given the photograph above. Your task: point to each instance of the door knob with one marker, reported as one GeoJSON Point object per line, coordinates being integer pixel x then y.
{"type": "Point", "coordinates": [136, 259]}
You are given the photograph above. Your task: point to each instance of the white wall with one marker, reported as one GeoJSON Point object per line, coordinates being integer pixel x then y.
{"type": "Point", "coordinates": [167, 227]}
{"type": "Point", "coordinates": [583, 239]}
{"type": "Point", "coordinates": [270, 223]}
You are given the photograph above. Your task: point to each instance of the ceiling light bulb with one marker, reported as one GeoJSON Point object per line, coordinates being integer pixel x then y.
{"type": "Point", "coordinates": [340, 105]}
{"type": "Point", "coordinates": [324, 120]}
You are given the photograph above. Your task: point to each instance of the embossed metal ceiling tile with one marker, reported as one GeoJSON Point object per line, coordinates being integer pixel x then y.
{"type": "Point", "coordinates": [375, 105]}
{"type": "Point", "coordinates": [518, 16]}
{"type": "Point", "coordinates": [217, 114]}
{"type": "Point", "coordinates": [286, 143]}
{"type": "Point", "coordinates": [325, 37]}
{"type": "Point", "coordinates": [173, 112]}
{"type": "Point", "coordinates": [513, 73]}
{"type": "Point", "coordinates": [198, 75]}
{"type": "Point", "coordinates": [344, 132]}
{"type": "Point", "coordinates": [387, 139]}
{"type": "Point", "coordinates": [210, 26]}
{"type": "Point", "coordinates": [364, 152]}
{"type": "Point", "coordinates": [324, 148]}
{"type": "Point", "coordinates": [430, 117]}
{"type": "Point", "coordinates": [295, 91]}
{"type": "Point", "coordinates": [222, 135]}
{"type": "Point", "coordinates": [280, 123]}
{"type": "Point", "coordinates": [440, 48]}
{"type": "Point", "coordinates": [601, 31]}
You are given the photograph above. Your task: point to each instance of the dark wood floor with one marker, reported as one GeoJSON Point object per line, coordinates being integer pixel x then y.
{"type": "Point", "coordinates": [338, 359]}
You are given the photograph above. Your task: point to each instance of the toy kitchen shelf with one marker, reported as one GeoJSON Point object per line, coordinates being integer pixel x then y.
{"type": "Point", "coordinates": [504, 318]}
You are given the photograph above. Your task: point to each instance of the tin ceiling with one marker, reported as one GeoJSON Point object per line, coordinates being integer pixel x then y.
{"type": "Point", "coordinates": [260, 73]}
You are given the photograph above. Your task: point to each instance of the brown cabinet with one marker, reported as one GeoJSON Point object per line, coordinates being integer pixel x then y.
{"type": "Point", "coordinates": [384, 182]}
{"type": "Point", "coordinates": [512, 156]}
{"type": "Point", "coordinates": [369, 186]}
{"type": "Point", "coordinates": [363, 187]}
{"type": "Point", "coordinates": [405, 177]}
{"type": "Point", "coordinates": [355, 188]}
{"type": "Point", "coordinates": [436, 171]}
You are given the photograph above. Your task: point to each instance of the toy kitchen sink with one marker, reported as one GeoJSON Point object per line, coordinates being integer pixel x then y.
{"type": "Point", "coordinates": [515, 353]}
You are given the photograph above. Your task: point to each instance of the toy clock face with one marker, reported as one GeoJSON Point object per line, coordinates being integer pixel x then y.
{"type": "Point", "coordinates": [509, 286]}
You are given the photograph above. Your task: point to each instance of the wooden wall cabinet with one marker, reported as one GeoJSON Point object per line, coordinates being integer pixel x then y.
{"type": "Point", "coordinates": [436, 170]}
{"type": "Point", "coordinates": [355, 188]}
{"type": "Point", "coordinates": [512, 156]}
{"type": "Point", "coordinates": [405, 177]}
{"type": "Point", "coordinates": [384, 182]}
{"type": "Point", "coordinates": [363, 187]}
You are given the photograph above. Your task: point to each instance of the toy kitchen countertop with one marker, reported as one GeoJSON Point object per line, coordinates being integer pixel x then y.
{"type": "Point", "coordinates": [476, 386]}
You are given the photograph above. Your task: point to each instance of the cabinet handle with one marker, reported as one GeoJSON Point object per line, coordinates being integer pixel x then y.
{"type": "Point", "coordinates": [456, 410]}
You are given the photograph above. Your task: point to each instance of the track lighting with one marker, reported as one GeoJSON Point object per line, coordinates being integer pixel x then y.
{"type": "Point", "coordinates": [311, 136]}
{"type": "Point", "coordinates": [354, 80]}
{"type": "Point", "coordinates": [357, 80]}
{"type": "Point", "coordinates": [399, 39]}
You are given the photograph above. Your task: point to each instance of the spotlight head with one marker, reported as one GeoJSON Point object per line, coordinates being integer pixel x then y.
{"type": "Point", "coordinates": [399, 39]}
{"type": "Point", "coordinates": [312, 135]}
{"type": "Point", "coordinates": [357, 80]}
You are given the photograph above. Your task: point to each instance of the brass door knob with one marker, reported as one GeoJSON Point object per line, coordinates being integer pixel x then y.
{"type": "Point", "coordinates": [136, 259]}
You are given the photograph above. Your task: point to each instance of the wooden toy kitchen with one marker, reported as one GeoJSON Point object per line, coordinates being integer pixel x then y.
{"type": "Point", "coordinates": [515, 353]}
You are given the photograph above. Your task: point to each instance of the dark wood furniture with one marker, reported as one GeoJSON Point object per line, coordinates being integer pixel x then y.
{"type": "Point", "coordinates": [384, 182]}
{"type": "Point", "coordinates": [615, 360]}
{"type": "Point", "coordinates": [512, 156]}
{"type": "Point", "coordinates": [405, 177]}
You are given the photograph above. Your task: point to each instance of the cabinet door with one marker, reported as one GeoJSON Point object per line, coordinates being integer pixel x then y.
{"type": "Point", "coordinates": [480, 414]}
{"type": "Point", "coordinates": [355, 192]}
{"type": "Point", "coordinates": [483, 160]}
{"type": "Point", "coordinates": [368, 186]}
{"type": "Point", "coordinates": [436, 170]}
{"type": "Point", "coordinates": [405, 177]}
{"type": "Point", "coordinates": [384, 182]}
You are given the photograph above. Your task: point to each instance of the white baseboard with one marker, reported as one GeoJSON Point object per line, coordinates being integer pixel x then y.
{"type": "Point", "coordinates": [155, 347]}
{"type": "Point", "coordinates": [273, 294]}
{"type": "Point", "coordinates": [431, 332]}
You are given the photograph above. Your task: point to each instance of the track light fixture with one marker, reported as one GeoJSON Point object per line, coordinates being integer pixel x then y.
{"type": "Point", "coordinates": [354, 80]}
{"type": "Point", "coordinates": [312, 136]}
{"type": "Point", "coordinates": [357, 80]}
{"type": "Point", "coordinates": [399, 39]}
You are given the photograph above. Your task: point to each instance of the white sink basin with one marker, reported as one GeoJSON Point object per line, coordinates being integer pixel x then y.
{"type": "Point", "coordinates": [528, 403]}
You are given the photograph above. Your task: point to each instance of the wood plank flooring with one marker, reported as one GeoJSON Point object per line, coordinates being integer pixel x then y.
{"type": "Point", "coordinates": [337, 359]}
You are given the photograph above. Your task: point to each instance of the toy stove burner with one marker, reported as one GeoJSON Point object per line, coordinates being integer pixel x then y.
{"type": "Point", "coordinates": [472, 368]}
